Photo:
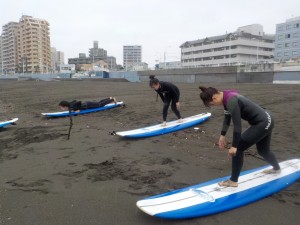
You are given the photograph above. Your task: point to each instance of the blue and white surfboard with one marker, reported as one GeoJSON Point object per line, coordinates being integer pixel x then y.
{"type": "Point", "coordinates": [81, 112]}
{"type": "Point", "coordinates": [169, 128]}
{"type": "Point", "coordinates": [209, 198]}
{"type": "Point", "coordinates": [7, 122]}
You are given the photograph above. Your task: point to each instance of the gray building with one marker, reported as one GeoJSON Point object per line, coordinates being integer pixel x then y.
{"type": "Point", "coordinates": [287, 40]}
{"type": "Point", "coordinates": [132, 56]}
{"type": "Point", "coordinates": [95, 54]}
{"type": "Point", "coordinates": [248, 45]}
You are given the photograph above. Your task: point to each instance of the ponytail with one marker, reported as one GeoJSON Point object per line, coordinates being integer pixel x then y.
{"type": "Point", "coordinates": [153, 80]}
{"type": "Point", "coordinates": [207, 94]}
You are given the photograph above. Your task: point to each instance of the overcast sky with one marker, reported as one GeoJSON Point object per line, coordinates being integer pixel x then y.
{"type": "Point", "coordinates": [159, 26]}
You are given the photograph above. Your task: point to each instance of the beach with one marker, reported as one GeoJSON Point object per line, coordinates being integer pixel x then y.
{"type": "Point", "coordinates": [97, 178]}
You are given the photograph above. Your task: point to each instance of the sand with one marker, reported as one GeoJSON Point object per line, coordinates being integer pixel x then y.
{"type": "Point", "coordinates": [96, 178]}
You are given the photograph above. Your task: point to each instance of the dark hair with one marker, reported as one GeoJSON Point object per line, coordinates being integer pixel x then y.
{"type": "Point", "coordinates": [207, 94]}
{"type": "Point", "coordinates": [153, 80]}
{"type": "Point", "coordinates": [64, 104]}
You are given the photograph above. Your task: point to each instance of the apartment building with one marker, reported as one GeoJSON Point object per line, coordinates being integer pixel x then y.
{"type": "Point", "coordinates": [34, 53]}
{"type": "Point", "coordinates": [57, 60]}
{"type": "Point", "coordinates": [95, 54]}
{"type": "Point", "coordinates": [132, 56]}
{"type": "Point", "coordinates": [1, 61]}
{"type": "Point", "coordinates": [9, 47]}
{"type": "Point", "coordinates": [287, 40]}
{"type": "Point", "coordinates": [26, 46]}
{"type": "Point", "coordinates": [249, 44]}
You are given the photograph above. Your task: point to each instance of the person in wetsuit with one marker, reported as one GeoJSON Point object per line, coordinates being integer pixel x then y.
{"type": "Point", "coordinates": [78, 105]}
{"type": "Point", "coordinates": [236, 108]}
{"type": "Point", "coordinates": [169, 94]}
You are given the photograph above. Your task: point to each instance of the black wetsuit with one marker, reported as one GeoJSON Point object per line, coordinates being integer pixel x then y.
{"type": "Point", "coordinates": [168, 93]}
{"type": "Point", "coordinates": [237, 107]}
{"type": "Point", "coordinates": [78, 105]}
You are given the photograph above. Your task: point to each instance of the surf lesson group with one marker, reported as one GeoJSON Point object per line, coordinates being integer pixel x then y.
{"type": "Point", "coordinates": [236, 108]}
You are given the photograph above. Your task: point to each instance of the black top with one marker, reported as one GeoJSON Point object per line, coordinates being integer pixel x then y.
{"type": "Point", "coordinates": [168, 90]}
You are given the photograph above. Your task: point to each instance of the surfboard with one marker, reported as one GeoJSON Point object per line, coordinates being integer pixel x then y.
{"type": "Point", "coordinates": [209, 198]}
{"type": "Point", "coordinates": [7, 122]}
{"type": "Point", "coordinates": [81, 112]}
{"type": "Point", "coordinates": [171, 126]}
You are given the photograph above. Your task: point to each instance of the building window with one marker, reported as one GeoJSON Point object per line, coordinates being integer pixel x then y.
{"type": "Point", "coordinates": [287, 45]}
{"type": "Point", "coordinates": [295, 35]}
{"type": "Point", "coordinates": [295, 44]}
{"type": "Point", "coordinates": [287, 35]}
{"type": "Point", "coordinates": [286, 54]}
{"type": "Point", "coordinates": [280, 37]}
{"type": "Point", "coordinates": [279, 45]}
{"type": "Point", "coordinates": [288, 27]}
{"type": "Point", "coordinates": [294, 53]}
{"type": "Point", "coordinates": [296, 25]}
{"type": "Point", "coordinates": [278, 54]}
{"type": "Point", "coordinates": [279, 28]}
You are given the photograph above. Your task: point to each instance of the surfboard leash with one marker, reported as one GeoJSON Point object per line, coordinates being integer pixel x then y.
{"type": "Point", "coordinates": [71, 124]}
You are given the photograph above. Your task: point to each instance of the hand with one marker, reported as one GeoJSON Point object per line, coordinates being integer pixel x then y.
{"type": "Point", "coordinates": [222, 142]}
{"type": "Point", "coordinates": [232, 151]}
{"type": "Point", "coordinates": [177, 105]}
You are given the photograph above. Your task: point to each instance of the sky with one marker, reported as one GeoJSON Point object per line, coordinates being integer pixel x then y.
{"type": "Point", "coordinates": [159, 26]}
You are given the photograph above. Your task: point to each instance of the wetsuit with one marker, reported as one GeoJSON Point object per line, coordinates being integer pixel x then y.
{"type": "Point", "coordinates": [168, 93]}
{"type": "Point", "coordinates": [237, 107]}
{"type": "Point", "coordinates": [78, 105]}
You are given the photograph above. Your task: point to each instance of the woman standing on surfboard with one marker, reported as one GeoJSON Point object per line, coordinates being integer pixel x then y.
{"type": "Point", "coordinates": [236, 108]}
{"type": "Point", "coordinates": [168, 93]}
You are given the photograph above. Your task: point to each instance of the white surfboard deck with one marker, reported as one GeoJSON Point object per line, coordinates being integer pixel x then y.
{"type": "Point", "coordinates": [8, 122]}
{"type": "Point", "coordinates": [171, 126]}
{"type": "Point", "coordinates": [209, 198]}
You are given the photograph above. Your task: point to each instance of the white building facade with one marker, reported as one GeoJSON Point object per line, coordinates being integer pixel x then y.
{"type": "Point", "coordinates": [287, 40]}
{"type": "Point", "coordinates": [132, 56]}
{"type": "Point", "coordinates": [247, 45]}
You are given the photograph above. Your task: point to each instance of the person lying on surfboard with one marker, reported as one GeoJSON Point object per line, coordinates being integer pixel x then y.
{"type": "Point", "coordinates": [236, 108]}
{"type": "Point", "coordinates": [78, 105]}
{"type": "Point", "coordinates": [168, 93]}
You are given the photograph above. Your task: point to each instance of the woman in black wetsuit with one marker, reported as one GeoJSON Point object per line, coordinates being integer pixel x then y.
{"type": "Point", "coordinates": [169, 93]}
{"type": "Point", "coordinates": [78, 105]}
{"type": "Point", "coordinates": [237, 107]}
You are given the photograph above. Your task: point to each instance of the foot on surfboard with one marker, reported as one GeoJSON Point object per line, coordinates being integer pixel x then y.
{"type": "Point", "coordinates": [272, 171]}
{"type": "Point", "coordinates": [180, 121]}
{"type": "Point", "coordinates": [228, 183]}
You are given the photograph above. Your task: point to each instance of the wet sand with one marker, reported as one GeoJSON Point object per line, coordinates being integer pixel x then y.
{"type": "Point", "coordinates": [96, 178]}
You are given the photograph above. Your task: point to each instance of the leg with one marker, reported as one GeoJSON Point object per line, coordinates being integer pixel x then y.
{"type": "Point", "coordinates": [165, 108]}
{"type": "Point", "coordinates": [263, 149]}
{"type": "Point", "coordinates": [175, 110]}
{"type": "Point", "coordinates": [106, 101]}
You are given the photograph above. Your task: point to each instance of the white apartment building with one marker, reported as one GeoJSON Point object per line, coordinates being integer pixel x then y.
{"type": "Point", "coordinates": [26, 46]}
{"type": "Point", "coordinates": [247, 45]}
{"type": "Point", "coordinates": [9, 47]}
{"type": "Point", "coordinates": [287, 41]}
{"type": "Point", "coordinates": [57, 60]}
{"type": "Point", "coordinates": [132, 56]}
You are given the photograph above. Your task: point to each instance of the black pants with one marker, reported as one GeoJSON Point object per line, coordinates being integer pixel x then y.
{"type": "Point", "coordinates": [259, 134]}
{"type": "Point", "coordinates": [101, 103]}
{"type": "Point", "coordinates": [167, 102]}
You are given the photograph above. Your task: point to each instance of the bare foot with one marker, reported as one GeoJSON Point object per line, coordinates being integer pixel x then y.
{"type": "Point", "coordinates": [272, 171]}
{"type": "Point", "coordinates": [228, 183]}
{"type": "Point", "coordinates": [164, 124]}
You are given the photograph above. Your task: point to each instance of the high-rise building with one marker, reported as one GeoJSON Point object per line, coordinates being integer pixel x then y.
{"type": "Point", "coordinates": [34, 45]}
{"type": "Point", "coordinates": [57, 60]}
{"type": "Point", "coordinates": [97, 53]}
{"type": "Point", "coordinates": [287, 40]}
{"type": "Point", "coordinates": [26, 46]}
{"type": "Point", "coordinates": [132, 56]}
{"type": "Point", "coordinates": [247, 45]}
{"type": "Point", "coordinates": [1, 61]}
{"type": "Point", "coordinates": [9, 47]}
